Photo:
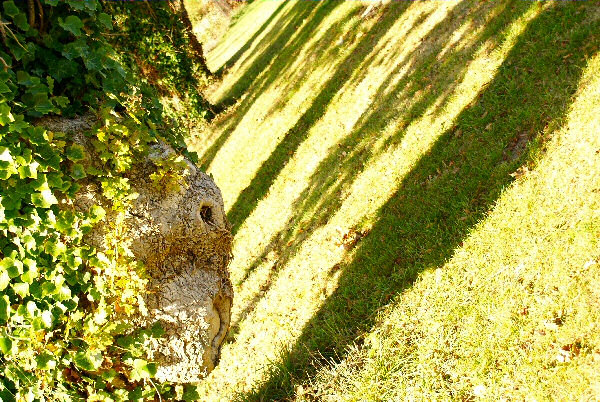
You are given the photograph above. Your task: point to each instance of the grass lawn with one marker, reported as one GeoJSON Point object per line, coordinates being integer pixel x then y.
{"type": "Point", "coordinates": [415, 196]}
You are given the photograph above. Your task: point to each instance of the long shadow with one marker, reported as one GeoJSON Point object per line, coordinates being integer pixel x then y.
{"type": "Point", "coordinates": [277, 52]}
{"type": "Point", "coordinates": [233, 59]}
{"type": "Point", "coordinates": [449, 190]}
{"type": "Point", "coordinates": [336, 172]}
{"type": "Point", "coordinates": [277, 40]}
{"type": "Point", "coordinates": [270, 169]}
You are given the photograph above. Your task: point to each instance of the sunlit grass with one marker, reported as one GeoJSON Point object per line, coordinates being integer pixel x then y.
{"type": "Point", "coordinates": [516, 312]}
{"type": "Point", "coordinates": [339, 123]}
{"type": "Point", "coordinates": [236, 37]}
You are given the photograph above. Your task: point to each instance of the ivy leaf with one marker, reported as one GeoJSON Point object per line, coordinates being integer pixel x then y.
{"type": "Point", "coordinates": [105, 20]}
{"type": "Point", "coordinates": [78, 171]}
{"type": "Point", "coordinates": [4, 282]}
{"type": "Point", "coordinates": [43, 199]}
{"type": "Point", "coordinates": [21, 288]}
{"type": "Point", "coordinates": [87, 361]}
{"type": "Point", "coordinates": [6, 263]}
{"type": "Point", "coordinates": [54, 247]}
{"type": "Point", "coordinates": [5, 116]}
{"type": "Point", "coordinates": [4, 308]}
{"type": "Point", "coordinates": [190, 393]}
{"type": "Point", "coordinates": [45, 361]}
{"type": "Point", "coordinates": [42, 103]}
{"type": "Point", "coordinates": [61, 101]}
{"type": "Point", "coordinates": [65, 221]}
{"type": "Point", "coordinates": [28, 171]}
{"type": "Point", "coordinates": [71, 24]}
{"type": "Point", "coordinates": [32, 273]}
{"type": "Point", "coordinates": [93, 61]}
{"type": "Point", "coordinates": [21, 22]}
{"type": "Point", "coordinates": [75, 152]}
{"type": "Point", "coordinates": [54, 180]}
{"type": "Point", "coordinates": [76, 5]}
{"type": "Point", "coordinates": [10, 8]}
{"type": "Point", "coordinates": [5, 344]}
{"type": "Point", "coordinates": [14, 268]}
{"type": "Point", "coordinates": [78, 48]}
{"type": "Point", "coordinates": [157, 330]}
{"type": "Point", "coordinates": [97, 213]}
{"type": "Point", "coordinates": [142, 369]}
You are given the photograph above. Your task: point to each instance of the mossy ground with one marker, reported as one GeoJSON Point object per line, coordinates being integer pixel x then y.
{"type": "Point", "coordinates": [415, 199]}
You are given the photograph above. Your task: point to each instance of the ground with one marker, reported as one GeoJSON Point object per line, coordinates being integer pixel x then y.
{"type": "Point", "coordinates": [415, 200]}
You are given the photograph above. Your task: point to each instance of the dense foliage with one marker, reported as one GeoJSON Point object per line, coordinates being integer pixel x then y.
{"type": "Point", "coordinates": [156, 38]}
{"type": "Point", "coordinates": [64, 332]}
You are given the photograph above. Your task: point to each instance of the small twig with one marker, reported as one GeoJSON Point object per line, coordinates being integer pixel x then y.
{"type": "Point", "coordinates": [6, 66]}
{"type": "Point", "coordinates": [2, 32]}
{"type": "Point", "coordinates": [157, 392]}
{"type": "Point", "coordinates": [5, 25]}
{"type": "Point", "coordinates": [150, 9]}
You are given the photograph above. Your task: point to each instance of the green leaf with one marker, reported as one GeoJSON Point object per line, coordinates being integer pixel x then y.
{"type": "Point", "coordinates": [105, 20]}
{"type": "Point", "coordinates": [78, 171]}
{"type": "Point", "coordinates": [6, 263]}
{"type": "Point", "coordinates": [30, 275]}
{"type": "Point", "coordinates": [71, 24]}
{"type": "Point", "coordinates": [65, 221]}
{"type": "Point", "coordinates": [4, 88]}
{"type": "Point", "coordinates": [157, 330]}
{"type": "Point", "coordinates": [4, 308]}
{"type": "Point", "coordinates": [75, 152]}
{"type": "Point", "coordinates": [43, 199]}
{"type": "Point", "coordinates": [10, 8]}
{"type": "Point", "coordinates": [42, 104]}
{"type": "Point", "coordinates": [55, 181]}
{"type": "Point", "coordinates": [54, 247]}
{"type": "Point", "coordinates": [5, 345]}
{"type": "Point", "coordinates": [45, 361]}
{"type": "Point", "coordinates": [4, 281]}
{"type": "Point", "coordinates": [190, 393]}
{"type": "Point", "coordinates": [15, 267]}
{"type": "Point", "coordinates": [142, 369]}
{"type": "Point", "coordinates": [28, 170]}
{"type": "Point", "coordinates": [97, 213]}
{"type": "Point", "coordinates": [88, 361]}
{"type": "Point", "coordinates": [21, 288]}
{"type": "Point", "coordinates": [5, 116]}
{"type": "Point", "coordinates": [21, 22]}
{"type": "Point", "coordinates": [78, 48]}
{"type": "Point", "coordinates": [76, 4]}
{"type": "Point", "coordinates": [93, 61]}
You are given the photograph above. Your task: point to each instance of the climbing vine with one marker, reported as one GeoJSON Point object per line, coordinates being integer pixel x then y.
{"type": "Point", "coordinates": [154, 38]}
{"type": "Point", "coordinates": [64, 305]}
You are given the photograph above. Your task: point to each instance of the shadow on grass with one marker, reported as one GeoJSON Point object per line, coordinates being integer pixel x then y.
{"type": "Point", "coordinates": [233, 59]}
{"type": "Point", "coordinates": [270, 169]}
{"type": "Point", "coordinates": [278, 46]}
{"type": "Point", "coordinates": [424, 80]}
{"type": "Point", "coordinates": [449, 190]}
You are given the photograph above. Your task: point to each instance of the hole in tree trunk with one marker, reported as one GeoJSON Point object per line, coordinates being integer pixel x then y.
{"type": "Point", "coordinates": [206, 214]}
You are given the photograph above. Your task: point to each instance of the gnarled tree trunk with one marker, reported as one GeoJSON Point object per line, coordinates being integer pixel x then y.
{"type": "Point", "coordinates": [181, 235]}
